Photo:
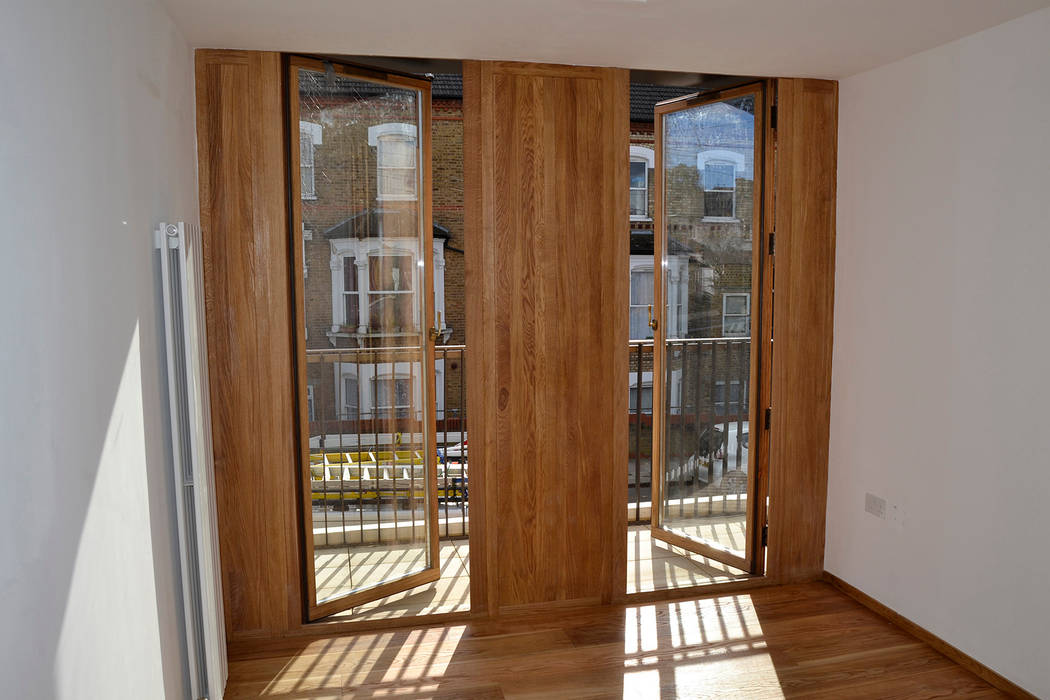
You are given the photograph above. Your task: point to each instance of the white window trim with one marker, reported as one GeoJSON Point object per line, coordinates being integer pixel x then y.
{"type": "Point", "coordinates": [641, 154]}
{"type": "Point", "coordinates": [676, 270]}
{"type": "Point", "coordinates": [746, 314]}
{"type": "Point", "coordinates": [311, 406]}
{"type": "Point", "coordinates": [315, 140]}
{"type": "Point", "coordinates": [376, 134]}
{"type": "Point", "coordinates": [630, 302]}
{"type": "Point", "coordinates": [720, 155]}
{"type": "Point", "coordinates": [362, 249]}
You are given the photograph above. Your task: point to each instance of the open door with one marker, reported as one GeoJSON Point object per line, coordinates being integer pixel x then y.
{"type": "Point", "coordinates": [707, 494]}
{"type": "Point", "coordinates": [360, 155]}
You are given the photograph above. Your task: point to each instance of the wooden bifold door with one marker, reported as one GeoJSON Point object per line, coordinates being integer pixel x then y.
{"type": "Point", "coordinates": [708, 491]}
{"type": "Point", "coordinates": [366, 332]}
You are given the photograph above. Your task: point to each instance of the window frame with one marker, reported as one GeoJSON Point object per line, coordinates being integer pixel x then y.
{"type": "Point", "coordinates": [309, 132]}
{"type": "Point", "coordinates": [731, 191]}
{"type": "Point", "coordinates": [645, 269]}
{"type": "Point", "coordinates": [375, 296]}
{"type": "Point", "coordinates": [347, 294]}
{"type": "Point", "coordinates": [381, 135]}
{"type": "Point", "coordinates": [395, 410]}
{"type": "Point", "coordinates": [641, 154]}
{"type": "Point", "coordinates": [721, 156]}
{"type": "Point", "coordinates": [345, 409]}
{"type": "Point", "coordinates": [727, 398]}
{"type": "Point", "coordinates": [746, 315]}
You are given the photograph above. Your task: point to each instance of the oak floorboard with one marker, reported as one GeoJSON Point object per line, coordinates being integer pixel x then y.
{"type": "Point", "coordinates": [800, 641]}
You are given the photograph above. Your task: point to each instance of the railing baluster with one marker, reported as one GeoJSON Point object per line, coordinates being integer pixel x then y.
{"type": "Point", "coordinates": [411, 450]}
{"type": "Point", "coordinates": [374, 413]}
{"type": "Point", "coordinates": [704, 365]}
{"type": "Point", "coordinates": [464, 506]}
{"type": "Point", "coordinates": [357, 437]}
{"type": "Point", "coordinates": [638, 433]}
{"type": "Point", "coordinates": [716, 445]}
{"type": "Point", "coordinates": [444, 429]}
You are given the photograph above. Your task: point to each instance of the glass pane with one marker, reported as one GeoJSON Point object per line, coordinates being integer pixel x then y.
{"type": "Point", "coordinates": [718, 176]}
{"type": "Point", "coordinates": [708, 272]}
{"type": "Point", "coordinates": [364, 344]}
{"type": "Point", "coordinates": [399, 152]}
{"type": "Point", "coordinates": [637, 174]}
{"type": "Point", "coordinates": [642, 287]}
{"type": "Point", "coordinates": [640, 329]}
{"type": "Point", "coordinates": [735, 303]}
{"type": "Point", "coordinates": [639, 202]}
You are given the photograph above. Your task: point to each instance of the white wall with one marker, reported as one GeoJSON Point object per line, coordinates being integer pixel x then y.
{"type": "Point", "coordinates": [96, 147]}
{"type": "Point", "coordinates": [941, 387]}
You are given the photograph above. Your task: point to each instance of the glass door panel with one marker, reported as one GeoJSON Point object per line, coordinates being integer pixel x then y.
{"type": "Point", "coordinates": [709, 166]}
{"type": "Point", "coordinates": [361, 184]}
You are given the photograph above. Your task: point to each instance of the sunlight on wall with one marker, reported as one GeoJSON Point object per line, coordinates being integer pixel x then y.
{"type": "Point", "coordinates": [108, 577]}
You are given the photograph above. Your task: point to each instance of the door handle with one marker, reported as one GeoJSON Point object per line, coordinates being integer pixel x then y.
{"type": "Point", "coordinates": [435, 332]}
{"type": "Point", "coordinates": [653, 323]}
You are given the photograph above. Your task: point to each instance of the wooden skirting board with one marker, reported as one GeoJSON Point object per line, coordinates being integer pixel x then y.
{"type": "Point", "coordinates": [963, 659]}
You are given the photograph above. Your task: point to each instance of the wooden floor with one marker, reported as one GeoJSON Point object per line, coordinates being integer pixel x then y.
{"type": "Point", "coordinates": [791, 641]}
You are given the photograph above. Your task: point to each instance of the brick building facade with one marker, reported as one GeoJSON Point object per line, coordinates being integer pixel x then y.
{"type": "Point", "coordinates": [360, 254]}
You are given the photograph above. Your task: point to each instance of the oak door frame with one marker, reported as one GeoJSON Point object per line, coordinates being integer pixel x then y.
{"type": "Point", "coordinates": [761, 320]}
{"type": "Point", "coordinates": [313, 610]}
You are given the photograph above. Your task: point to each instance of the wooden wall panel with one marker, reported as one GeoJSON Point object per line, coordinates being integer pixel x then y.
{"type": "Point", "coordinates": [804, 284]}
{"type": "Point", "coordinates": [546, 169]}
{"type": "Point", "coordinates": [243, 202]}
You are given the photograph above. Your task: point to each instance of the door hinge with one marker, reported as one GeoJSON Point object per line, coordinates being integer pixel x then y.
{"type": "Point", "coordinates": [772, 242]}
{"type": "Point", "coordinates": [772, 116]}
{"type": "Point", "coordinates": [769, 417]}
{"type": "Point", "coordinates": [765, 535]}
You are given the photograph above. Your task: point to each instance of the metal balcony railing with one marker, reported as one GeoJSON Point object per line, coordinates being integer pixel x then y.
{"type": "Point", "coordinates": [366, 458]}
{"type": "Point", "coordinates": [706, 390]}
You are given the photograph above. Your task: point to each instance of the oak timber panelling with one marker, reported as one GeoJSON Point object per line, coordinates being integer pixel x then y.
{"type": "Point", "coordinates": [545, 149]}
{"type": "Point", "coordinates": [804, 285]}
{"type": "Point", "coordinates": [242, 171]}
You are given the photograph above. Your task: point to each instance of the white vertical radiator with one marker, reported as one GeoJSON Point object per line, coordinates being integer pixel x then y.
{"type": "Point", "coordinates": [191, 444]}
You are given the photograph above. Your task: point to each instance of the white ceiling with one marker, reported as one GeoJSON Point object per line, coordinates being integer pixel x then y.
{"type": "Point", "coordinates": [818, 38]}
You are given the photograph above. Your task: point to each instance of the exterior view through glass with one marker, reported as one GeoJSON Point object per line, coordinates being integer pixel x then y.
{"type": "Point", "coordinates": [361, 179]}
{"type": "Point", "coordinates": [709, 204]}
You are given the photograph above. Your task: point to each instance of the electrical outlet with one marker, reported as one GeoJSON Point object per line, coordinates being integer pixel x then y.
{"type": "Point", "coordinates": [875, 505]}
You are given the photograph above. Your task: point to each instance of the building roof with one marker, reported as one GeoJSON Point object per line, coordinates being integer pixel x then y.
{"type": "Point", "coordinates": [446, 86]}
{"type": "Point", "coordinates": [644, 97]}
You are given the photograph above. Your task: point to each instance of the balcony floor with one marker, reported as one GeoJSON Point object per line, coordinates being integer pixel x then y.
{"type": "Point", "coordinates": [450, 593]}
{"type": "Point", "coordinates": [652, 565]}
